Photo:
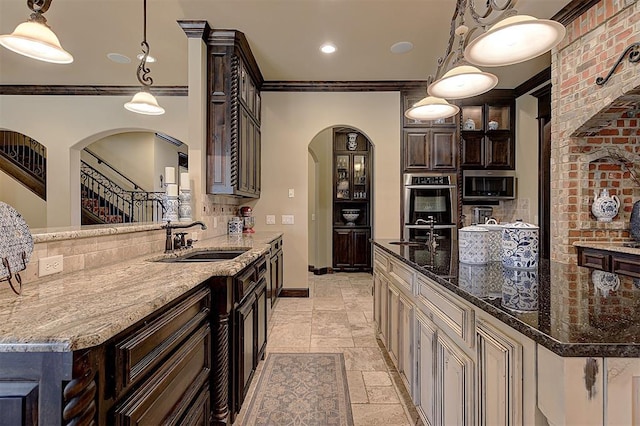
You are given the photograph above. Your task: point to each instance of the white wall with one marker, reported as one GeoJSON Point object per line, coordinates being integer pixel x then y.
{"type": "Point", "coordinates": [290, 120]}
{"type": "Point", "coordinates": [322, 147]}
{"type": "Point", "coordinates": [527, 154]}
{"type": "Point", "coordinates": [32, 208]}
{"type": "Point", "coordinates": [130, 153]}
{"type": "Point", "coordinates": [66, 124]}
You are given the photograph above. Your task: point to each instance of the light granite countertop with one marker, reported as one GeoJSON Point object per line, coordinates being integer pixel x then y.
{"type": "Point", "coordinates": [86, 308]}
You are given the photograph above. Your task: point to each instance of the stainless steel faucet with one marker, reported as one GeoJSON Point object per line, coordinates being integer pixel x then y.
{"type": "Point", "coordinates": [432, 235]}
{"type": "Point", "coordinates": [168, 244]}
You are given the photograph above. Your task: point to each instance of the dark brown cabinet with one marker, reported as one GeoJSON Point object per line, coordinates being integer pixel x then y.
{"type": "Point", "coordinates": [276, 271]}
{"type": "Point", "coordinates": [351, 249]}
{"type": "Point", "coordinates": [250, 328]}
{"type": "Point", "coordinates": [610, 261]}
{"type": "Point", "coordinates": [429, 149]}
{"type": "Point", "coordinates": [429, 145]}
{"type": "Point", "coordinates": [233, 116]}
{"type": "Point", "coordinates": [351, 201]}
{"type": "Point", "coordinates": [487, 138]}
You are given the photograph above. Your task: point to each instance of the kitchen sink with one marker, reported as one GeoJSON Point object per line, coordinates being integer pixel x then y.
{"type": "Point", "coordinates": [205, 256]}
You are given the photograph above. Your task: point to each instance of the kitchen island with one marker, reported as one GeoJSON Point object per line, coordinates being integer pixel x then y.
{"type": "Point", "coordinates": [127, 341]}
{"type": "Point", "coordinates": [484, 344]}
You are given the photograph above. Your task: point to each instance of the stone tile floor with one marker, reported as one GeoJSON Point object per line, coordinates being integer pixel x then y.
{"type": "Point", "coordinates": [338, 317]}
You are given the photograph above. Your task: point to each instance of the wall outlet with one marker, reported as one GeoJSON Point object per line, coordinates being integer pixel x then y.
{"type": "Point", "coordinates": [287, 219]}
{"type": "Point", "coordinates": [271, 219]}
{"type": "Point", "coordinates": [291, 193]}
{"type": "Point", "coordinates": [50, 265]}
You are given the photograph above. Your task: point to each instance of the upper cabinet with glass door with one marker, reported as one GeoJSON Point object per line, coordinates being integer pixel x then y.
{"type": "Point", "coordinates": [487, 134]}
{"type": "Point", "coordinates": [351, 165]}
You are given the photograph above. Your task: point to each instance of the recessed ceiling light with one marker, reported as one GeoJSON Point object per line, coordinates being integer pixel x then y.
{"type": "Point", "coordinates": [150, 58]}
{"type": "Point", "coordinates": [327, 48]}
{"type": "Point", "coordinates": [402, 47]}
{"type": "Point", "coordinates": [118, 58]}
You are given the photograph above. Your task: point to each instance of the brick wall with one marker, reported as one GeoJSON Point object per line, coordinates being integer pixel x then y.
{"type": "Point", "coordinates": [593, 135]}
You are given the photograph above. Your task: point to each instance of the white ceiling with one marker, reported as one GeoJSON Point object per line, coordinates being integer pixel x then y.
{"type": "Point", "coordinates": [284, 35]}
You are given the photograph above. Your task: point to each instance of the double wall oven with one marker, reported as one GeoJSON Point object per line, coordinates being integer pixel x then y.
{"type": "Point", "coordinates": [430, 196]}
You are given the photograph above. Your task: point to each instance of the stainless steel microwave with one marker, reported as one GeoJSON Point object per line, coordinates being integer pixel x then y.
{"type": "Point", "coordinates": [484, 185]}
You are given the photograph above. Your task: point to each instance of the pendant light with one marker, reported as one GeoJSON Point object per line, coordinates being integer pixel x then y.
{"type": "Point", "coordinates": [514, 40]}
{"type": "Point", "coordinates": [462, 81]}
{"type": "Point", "coordinates": [35, 39]}
{"type": "Point", "coordinates": [144, 102]}
{"type": "Point", "coordinates": [431, 108]}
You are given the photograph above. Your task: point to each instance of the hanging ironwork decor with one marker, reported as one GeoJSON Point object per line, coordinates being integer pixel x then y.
{"type": "Point", "coordinates": [633, 51]}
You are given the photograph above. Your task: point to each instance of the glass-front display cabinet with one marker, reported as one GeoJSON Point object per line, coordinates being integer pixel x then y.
{"type": "Point", "coordinates": [351, 201]}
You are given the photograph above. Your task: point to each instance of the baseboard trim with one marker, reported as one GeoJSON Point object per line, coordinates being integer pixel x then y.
{"type": "Point", "coordinates": [320, 271]}
{"type": "Point", "coordinates": [294, 292]}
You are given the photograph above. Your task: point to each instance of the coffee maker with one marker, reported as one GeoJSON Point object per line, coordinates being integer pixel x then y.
{"type": "Point", "coordinates": [248, 220]}
{"type": "Point", "coordinates": [481, 214]}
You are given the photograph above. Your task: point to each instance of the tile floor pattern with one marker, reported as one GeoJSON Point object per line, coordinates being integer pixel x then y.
{"type": "Point", "coordinates": [338, 317]}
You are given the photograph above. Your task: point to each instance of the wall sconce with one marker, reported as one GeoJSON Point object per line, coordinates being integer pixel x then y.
{"type": "Point", "coordinates": [144, 102]}
{"type": "Point", "coordinates": [35, 39]}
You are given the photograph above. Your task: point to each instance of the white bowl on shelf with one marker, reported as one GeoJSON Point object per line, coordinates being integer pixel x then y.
{"type": "Point", "coordinates": [351, 215]}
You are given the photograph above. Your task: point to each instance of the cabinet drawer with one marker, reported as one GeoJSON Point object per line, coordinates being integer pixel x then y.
{"type": "Point", "coordinates": [276, 245]}
{"type": "Point", "coordinates": [625, 265]}
{"type": "Point", "coordinates": [143, 350]}
{"type": "Point", "coordinates": [402, 275]}
{"type": "Point", "coordinates": [380, 260]}
{"type": "Point", "coordinates": [447, 312]}
{"type": "Point", "coordinates": [243, 283]}
{"type": "Point", "coordinates": [261, 268]}
{"type": "Point", "coordinates": [176, 385]}
{"type": "Point", "coordinates": [596, 259]}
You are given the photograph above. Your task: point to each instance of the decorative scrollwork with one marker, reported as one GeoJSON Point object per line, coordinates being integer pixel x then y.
{"type": "Point", "coordinates": [634, 56]}
{"type": "Point", "coordinates": [143, 69]}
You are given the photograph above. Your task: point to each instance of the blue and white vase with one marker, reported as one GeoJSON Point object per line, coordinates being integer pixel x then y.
{"type": "Point", "coordinates": [520, 245]}
{"type": "Point", "coordinates": [605, 207]}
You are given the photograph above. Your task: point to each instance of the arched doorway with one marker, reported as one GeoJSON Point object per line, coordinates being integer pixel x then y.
{"type": "Point", "coordinates": [340, 200]}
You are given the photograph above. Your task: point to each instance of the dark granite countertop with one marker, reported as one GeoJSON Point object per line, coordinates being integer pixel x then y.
{"type": "Point", "coordinates": [557, 305]}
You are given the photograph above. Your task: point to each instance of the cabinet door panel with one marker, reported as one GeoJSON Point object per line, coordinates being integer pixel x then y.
{"type": "Point", "coordinates": [499, 151]}
{"type": "Point", "coordinates": [455, 368]}
{"type": "Point", "coordinates": [472, 149]}
{"type": "Point", "coordinates": [361, 249]}
{"type": "Point", "coordinates": [405, 357]}
{"type": "Point", "coordinates": [243, 150]}
{"type": "Point", "coordinates": [384, 310]}
{"type": "Point", "coordinates": [341, 248]}
{"type": "Point", "coordinates": [416, 154]}
{"type": "Point", "coordinates": [246, 347]}
{"type": "Point", "coordinates": [499, 380]}
{"type": "Point", "coordinates": [425, 369]}
{"type": "Point", "coordinates": [444, 150]}
{"type": "Point", "coordinates": [394, 324]}
{"type": "Point", "coordinates": [261, 317]}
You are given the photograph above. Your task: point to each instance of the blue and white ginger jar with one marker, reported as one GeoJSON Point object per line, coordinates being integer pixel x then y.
{"type": "Point", "coordinates": [605, 207]}
{"type": "Point", "coordinates": [520, 245]}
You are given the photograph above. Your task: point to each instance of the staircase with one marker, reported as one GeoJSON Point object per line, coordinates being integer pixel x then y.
{"type": "Point", "coordinates": [26, 160]}
{"type": "Point", "coordinates": [104, 201]}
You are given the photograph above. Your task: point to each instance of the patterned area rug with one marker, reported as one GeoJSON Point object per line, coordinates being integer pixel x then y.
{"type": "Point", "coordinates": [301, 389]}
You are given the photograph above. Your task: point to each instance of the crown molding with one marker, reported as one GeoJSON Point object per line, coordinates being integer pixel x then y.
{"type": "Point", "coordinates": [341, 86]}
{"type": "Point", "coordinates": [62, 90]}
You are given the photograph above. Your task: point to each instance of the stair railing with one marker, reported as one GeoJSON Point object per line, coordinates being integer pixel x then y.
{"type": "Point", "coordinates": [26, 153]}
{"type": "Point", "coordinates": [113, 169]}
{"type": "Point", "coordinates": [114, 204]}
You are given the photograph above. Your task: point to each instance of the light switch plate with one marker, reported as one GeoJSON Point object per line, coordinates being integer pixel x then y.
{"type": "Point", "coordinates": [287, 219]}
{"type": "Point", "coordinates": [271, 219]}
{"type": "Point", "coordinates": [50, 265]}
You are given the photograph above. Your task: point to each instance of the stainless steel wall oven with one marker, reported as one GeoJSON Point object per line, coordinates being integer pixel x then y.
{"type": "Point", "coordinates": [426, 196]}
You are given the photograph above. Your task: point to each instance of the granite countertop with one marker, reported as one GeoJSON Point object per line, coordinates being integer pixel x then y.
{"type": "Point", "coordinates": [86, 308]}
{"type": "Point", "coordinates": [568, 309]}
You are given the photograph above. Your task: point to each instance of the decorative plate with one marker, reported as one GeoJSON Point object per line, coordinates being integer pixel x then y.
{"type": "Point", "coordinates": [15, 239]}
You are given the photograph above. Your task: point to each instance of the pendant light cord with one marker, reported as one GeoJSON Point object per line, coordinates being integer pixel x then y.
{"type": "Point", "coordinates": [143, 70]}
